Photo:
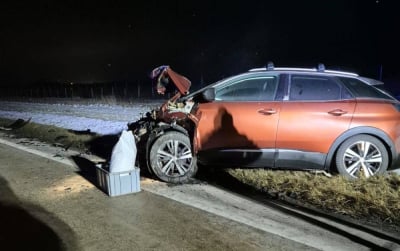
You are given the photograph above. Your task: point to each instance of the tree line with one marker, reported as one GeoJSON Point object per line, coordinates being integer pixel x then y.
{"type": "Point", "coordinates": [119, 90]}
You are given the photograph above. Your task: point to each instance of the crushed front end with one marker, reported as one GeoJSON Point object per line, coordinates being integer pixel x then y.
{"type": "Point", "coordinates": [165, 135]}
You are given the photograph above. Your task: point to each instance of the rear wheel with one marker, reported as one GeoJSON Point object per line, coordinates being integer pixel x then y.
{"type": "Point", "coordinates": [362, 156]}
{"type": "Point", "coordinates": [171, 158]}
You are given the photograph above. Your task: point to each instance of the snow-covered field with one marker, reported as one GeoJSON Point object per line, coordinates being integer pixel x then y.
{"type": "Point", "coordinates": [100, 118]}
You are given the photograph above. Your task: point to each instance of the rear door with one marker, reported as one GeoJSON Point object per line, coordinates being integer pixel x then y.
{"type": "Point", "coordinates": [240, 125]}
{"type": "Point", "coordinates": [316, 111]}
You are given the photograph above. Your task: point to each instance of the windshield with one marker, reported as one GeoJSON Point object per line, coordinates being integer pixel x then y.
{"type": "Point", "coordinates": [195, 93]}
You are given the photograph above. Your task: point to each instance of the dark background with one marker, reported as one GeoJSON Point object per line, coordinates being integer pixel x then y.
{"type": "Point", "coordinates": [97, 41]}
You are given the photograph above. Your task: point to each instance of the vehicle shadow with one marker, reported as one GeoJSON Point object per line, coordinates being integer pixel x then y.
{"type": "Point", "coordinates": [21, 230]}
{"type": "Point", "coordinates": [221, 140]}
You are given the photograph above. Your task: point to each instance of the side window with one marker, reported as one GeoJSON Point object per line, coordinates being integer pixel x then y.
{"type": "Point", "coordinates": [363, 90]}
{"type": "Point", "coordinates": [252, 89]}
{"type": "Point", "coordinates": [313, 88]}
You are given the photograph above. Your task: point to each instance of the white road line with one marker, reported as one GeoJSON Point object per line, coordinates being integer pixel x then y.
{"type": "Point", "coordinates": [50, 156]}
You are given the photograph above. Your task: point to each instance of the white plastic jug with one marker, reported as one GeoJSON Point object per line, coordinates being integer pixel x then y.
{"type": "Point", "coordinates": [123, 155]}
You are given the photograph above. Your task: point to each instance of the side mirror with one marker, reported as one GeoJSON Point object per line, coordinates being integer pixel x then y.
{"type": "Point", "coordinates": [208, 94]}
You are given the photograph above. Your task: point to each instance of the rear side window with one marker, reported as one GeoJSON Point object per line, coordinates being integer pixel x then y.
{"type": "Point", "coordinates": [362, 90]}
{"type": "Point", "coordinates": [251, 89]}
{"type": "Point", "coordinates": [313, 88]}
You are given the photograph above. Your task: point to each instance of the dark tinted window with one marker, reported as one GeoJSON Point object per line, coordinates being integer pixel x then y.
{"type": "Point", "coordinates": [252, 89]}
{"type": "Point", "coordinates": [313, 88]}
{"type": "Point", "coordinates": [361, 89]}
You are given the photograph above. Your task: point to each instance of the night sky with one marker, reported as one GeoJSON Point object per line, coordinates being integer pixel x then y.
{"type": "Point", "coordinates": [93, 41]}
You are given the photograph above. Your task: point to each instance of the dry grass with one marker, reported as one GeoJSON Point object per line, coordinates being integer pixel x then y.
{"type": "Point", "coordinates": [51, 134]}
{"type": "Point", "coordinates": [375, 198]}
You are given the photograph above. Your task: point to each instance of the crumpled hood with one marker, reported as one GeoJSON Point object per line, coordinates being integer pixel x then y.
{"type": "Point", "coordinates": [168, 81]}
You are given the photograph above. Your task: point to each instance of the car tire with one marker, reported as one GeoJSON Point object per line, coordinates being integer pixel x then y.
{"type": "Point", "coordinates": [171, 158]}
{"type": "Point", "coordinates": [362, 156]}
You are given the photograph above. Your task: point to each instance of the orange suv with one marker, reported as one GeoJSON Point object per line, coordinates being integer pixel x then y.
{"type": "Point", "coordinates": [279, 118]}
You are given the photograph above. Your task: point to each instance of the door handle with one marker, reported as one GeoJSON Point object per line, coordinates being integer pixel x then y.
{"type": "Point", "coordinates": [267, 111]}
{"type": "Point", "coordinates": [337, 112]}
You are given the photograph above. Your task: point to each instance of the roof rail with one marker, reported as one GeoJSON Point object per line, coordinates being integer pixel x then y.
{"type": "Point", "coordinates": [270, 66]}
{"type": "Point", "coordinates": [320, 68]}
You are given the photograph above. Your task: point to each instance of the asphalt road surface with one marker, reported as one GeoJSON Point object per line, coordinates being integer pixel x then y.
{"type": "Point", "coordinates": [48, 205]}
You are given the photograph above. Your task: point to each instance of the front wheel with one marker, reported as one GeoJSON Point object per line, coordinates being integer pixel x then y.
{"type": "Point", "coordinates": [171, 158]}
{"type": "Point", "coordinates": [362, 156]}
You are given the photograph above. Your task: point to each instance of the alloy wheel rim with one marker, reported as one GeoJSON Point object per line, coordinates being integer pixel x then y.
{"type": "Point", "coordinates": [362, 159]}
{"type": "Point", "coordinates": [174, 158]}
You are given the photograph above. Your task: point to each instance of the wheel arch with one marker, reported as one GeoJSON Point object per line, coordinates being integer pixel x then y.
{"type": "Point", "coordinates": [372, 131]}
{"type": "Point", "coordinates": [161, 129]}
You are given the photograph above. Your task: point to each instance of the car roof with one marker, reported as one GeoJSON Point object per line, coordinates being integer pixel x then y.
{"type": "Point", "coordinates": [320, 69]}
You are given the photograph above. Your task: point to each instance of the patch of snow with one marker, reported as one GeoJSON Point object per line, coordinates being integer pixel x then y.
{"type": "Point", "coordinates": [99, 118]}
